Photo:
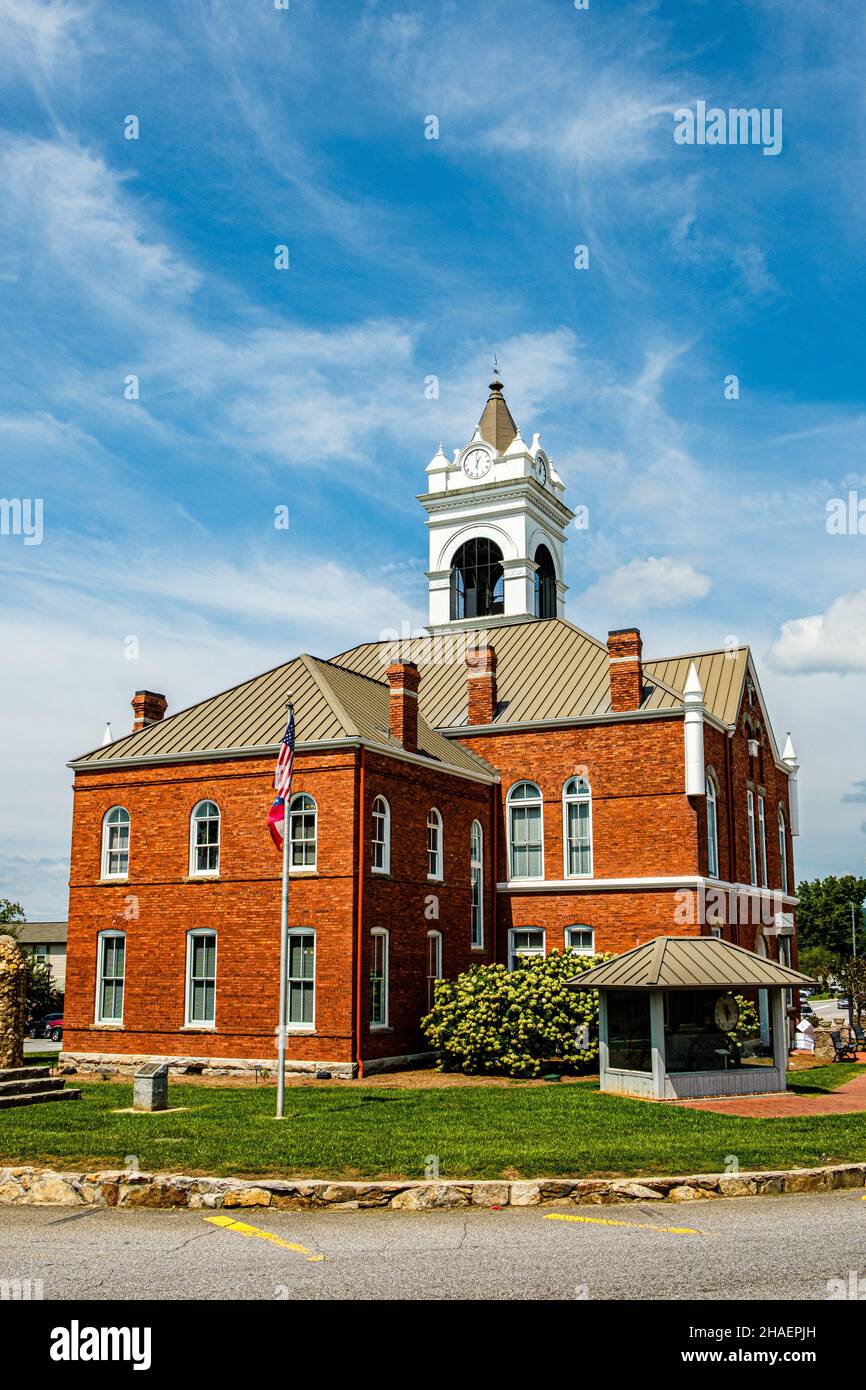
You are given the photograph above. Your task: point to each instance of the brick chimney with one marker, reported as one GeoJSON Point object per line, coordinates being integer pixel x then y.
{"type": "Point", "coordinates": [482, 698]}
{"type": "Point", "coordinates": [404, 679]}
{"type": "Point", "coordinates": [148, 708]}
{"type": "Point", "coordinates": [624, 649]}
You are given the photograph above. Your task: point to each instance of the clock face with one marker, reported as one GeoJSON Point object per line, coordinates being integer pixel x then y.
{"type": "Point", "coordinates": [727, 1013]}
{"type": "Point", "coordinates": [540, 469]}
{"type": "Point", "coordinates": [476, 463]}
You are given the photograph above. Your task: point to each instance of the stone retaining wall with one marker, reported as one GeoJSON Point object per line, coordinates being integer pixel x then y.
{"type": "Point", "coordinates": [43, 1187]}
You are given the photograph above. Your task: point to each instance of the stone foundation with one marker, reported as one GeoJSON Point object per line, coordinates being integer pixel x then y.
{"type": "Point", "coordinates": [126, 1064]}
{"type": "Point", "coordinates": [41, 1187]}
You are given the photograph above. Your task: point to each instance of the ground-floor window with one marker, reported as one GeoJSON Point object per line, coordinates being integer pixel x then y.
{"type": "Point", "coordinates": [434, 964]}
{"type": "Point", "coordinates": [524, 942]}
{"type": "Point", "coordinates": [379, 978]}
{"type": "Point", "coordinates": [628, 1030]}
{"type": "Point", "coordinates": [111, 971]}
{"type": "Point", "coordinates": [201, 979]}
{"type": "Point", "coordinates": [580, 939]}
{"type": "Point", "coordinates": [301, 1008]}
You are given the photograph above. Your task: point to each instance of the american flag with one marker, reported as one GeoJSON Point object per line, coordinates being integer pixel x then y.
{"type": "Point", "coordinates": [286, 759]}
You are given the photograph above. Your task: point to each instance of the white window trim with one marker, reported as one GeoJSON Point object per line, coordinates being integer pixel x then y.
{"type": "Point", "coordinates": [303, 931]}
{"type": "Point", "coordinates": [193, 871]}
{"type": "Point", "coordinates": [580, 950]}
{"type": "Point", "coordinates": [473, 865]}
{"type": "Point", "coordinates": [712, 842]}
{"type": "Point", "coordinates": [386, 867]}
{"type": "Point", "coordinates": [762, 827]}
{"type": "Point", "coordinates": [386, 972]}
{"type": "Point", "coordinates": [189, 1021]}
{"type": "Point", "coordinates": [303, 868]}
{"type": "Point", "coordinates": [439, 875]}
{"type": "Point", "coordinates": [103, 866]}
{"type": "Point", "coordinates": [534, 954]}
{"type": "Point", "coordinates": [539, 801]}
{"type": "Point", "coordinates": [783, 850]}
{"type": "Point", "coordinates": [433, 935]}
{"type": "Point", "coordinates": [110, 934]}
{"type": "Point", "coordinates": [567, 801]}
{"type": "Point", "coordinates": [753, 849]}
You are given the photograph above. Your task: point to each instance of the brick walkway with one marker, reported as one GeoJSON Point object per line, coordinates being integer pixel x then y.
{"type": "Point", "coordinates": [850, 1096]}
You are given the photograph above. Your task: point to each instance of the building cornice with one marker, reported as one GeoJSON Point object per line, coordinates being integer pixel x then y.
{"type": "Point", "coordinates": [664, 883]}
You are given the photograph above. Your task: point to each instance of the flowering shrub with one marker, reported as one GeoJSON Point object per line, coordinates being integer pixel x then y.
{"type": "Point", "coordinates": [518, 1022]}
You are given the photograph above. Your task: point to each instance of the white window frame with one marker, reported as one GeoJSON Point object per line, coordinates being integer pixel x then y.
{"type": "Point", "coordinates": [580, 950]}
{"type": "Point", "coordinates": [191, 936]}
{"type": "Point", "coordinates": [576, 798]}
{"type": "Point", "coordinates": [434, 942]}
{"type": "Point", "coordinates": [783, 850]}
{"type": "Point", "coordinates": [302, 980]}
{"type": "Point", "coordinates": [381, 1023]}
{"type": "Point", "coordinates": [194, 820]}
{"type": "Point", "coordinates": [297, 811]}
{"type": "Point", "coordinates": [712, 828]}
{"type": "Point", "coordinates": [514, 954]}
{"type": "Point", "coordinates": [753, 852]}
{"type": "Point", "coordinates": [510, 803]}
{"type": "Point", "coordinates": [102, 939]}
{"type": "Point", "coordinates": [762, 828]}
{"type": "Point", "coordinates": [476, 874]}
{"type": "Point", "coordinates": [385, 815]}
{"type": "Point", "coordinates": [435, 856]}
{"type": "Point", "coordinates": [105, 862]}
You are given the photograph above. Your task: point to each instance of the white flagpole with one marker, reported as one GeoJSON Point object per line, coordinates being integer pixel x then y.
{"type": "Point", "coordinates": [284, 955]}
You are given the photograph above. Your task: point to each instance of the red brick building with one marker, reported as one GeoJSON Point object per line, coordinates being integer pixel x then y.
{"type": "Point", "coordinates": [502, 785]}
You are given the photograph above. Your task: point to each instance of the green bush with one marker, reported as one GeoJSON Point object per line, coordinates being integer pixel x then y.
{"type": "Point", "coordinates": [516, 1023]}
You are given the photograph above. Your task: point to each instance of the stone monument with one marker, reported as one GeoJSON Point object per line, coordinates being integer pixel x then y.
{"type": "Point", "coordinates": [13, 977]}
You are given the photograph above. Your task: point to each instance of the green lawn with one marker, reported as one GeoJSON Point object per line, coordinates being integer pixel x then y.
{"type": "Point", "coordinates": [354, 1131]}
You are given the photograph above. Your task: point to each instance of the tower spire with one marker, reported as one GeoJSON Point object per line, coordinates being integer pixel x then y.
{"type": "Point", "coordinates": [497, 424]}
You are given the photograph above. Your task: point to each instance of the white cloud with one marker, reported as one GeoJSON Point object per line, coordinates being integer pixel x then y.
{"type": "Point", "coordinates": [833, 641]}
{"type": "Point", "coordinates": [656, 582]}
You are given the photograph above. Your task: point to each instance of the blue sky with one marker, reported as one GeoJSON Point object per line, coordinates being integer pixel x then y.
{"type": "Point", "coordinates": [412, 257]}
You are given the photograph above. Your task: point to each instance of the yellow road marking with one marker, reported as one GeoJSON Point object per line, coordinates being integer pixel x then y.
{"type": "Point", "coordinates": [243, 1229]}
{"type": "Point", "coordinates": [637, 1225]}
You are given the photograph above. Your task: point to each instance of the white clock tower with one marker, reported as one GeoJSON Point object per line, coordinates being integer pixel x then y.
{"type": "Point", "coordinates": [497, 525]}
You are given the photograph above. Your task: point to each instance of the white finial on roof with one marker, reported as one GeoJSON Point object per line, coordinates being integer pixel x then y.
{"type": "Point", "coordinates": [693, 690]}
{"type": "Point", "coordinates": [789, 756]}
{"type": "Point", "coordinates": [106, 737]}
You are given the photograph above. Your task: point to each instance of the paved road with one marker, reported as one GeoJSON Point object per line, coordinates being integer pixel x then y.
{"type": "Point", "coordinates": [776, 1248]}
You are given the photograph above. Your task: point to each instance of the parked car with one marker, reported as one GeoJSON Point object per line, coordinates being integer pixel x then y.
{"type": "Point", "coordinates": [47, 1026]}
{"type": "Point", "coordinates": [843, 1002]}
{"type": "Point", "coordinates": [806, 1009]}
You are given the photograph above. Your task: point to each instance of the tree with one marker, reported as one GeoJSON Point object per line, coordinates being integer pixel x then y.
{"type": "Point", "coordinates": [824, 914]}
{"type": "Point", "coordinates": [820, 963]}
{"type": "Point", "coordinates": [852, 977]}
{"type": "Point", "coordinates": [516, 1022]}
{"type": "Point", "coordinates": [11, 914]}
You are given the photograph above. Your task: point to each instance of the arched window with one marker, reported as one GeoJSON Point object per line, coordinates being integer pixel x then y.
{"type": "Point", "coordinates": [201, 948]}
{"type": "Point", "coordinates": [545, 584]}
{"type": "Point", "coordinates": [783, 851]}
{"type": "Point", "coordinates": [204, 838]}
{"type": "Point", "coordinates": [434, 964]}
{"type": "Point", "coordinates": [477, 580]}
{"type": "Point", "coordinates": [115, 843]}
{"type": "Point", "coordinates": [434, 844]}
{"type": "Point", "coordinates": [712, 830]}
{"type": "Point", "coordinates": [577, 827]}
{"type": "Point", "coordinates": [110, 976]}
{"type": "Point", "coordinates": [381, 841]}
{"type": "Point", "coordinates": [476, 868]}
{"type": "Point", "coordinates": [379, 978]}
{"type": "Point", "coordinates": [525, 831]}
{"type": "Point", "coordinates": [302, 832]}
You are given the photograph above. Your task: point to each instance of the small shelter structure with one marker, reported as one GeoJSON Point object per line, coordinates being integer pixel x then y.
{"type": "Point", "coordinates": [674, 1021]}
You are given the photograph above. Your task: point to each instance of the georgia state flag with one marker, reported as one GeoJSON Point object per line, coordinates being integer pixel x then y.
{"type": "Point", "coordinates": [277, 821]}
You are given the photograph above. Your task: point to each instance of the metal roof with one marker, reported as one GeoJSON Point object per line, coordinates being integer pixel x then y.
{"type": "Point", "coordinates": [331, 704]}
{"type": "Point", "coordinates": [546, 671]}
{"type": "Point", "coordinates": [688, 962]}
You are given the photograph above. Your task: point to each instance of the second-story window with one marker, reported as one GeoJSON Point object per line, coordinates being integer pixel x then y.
{"type": "Point", "coordinates": [381, 841]}
{"type": "Point", "coordinates": [302, 832]}
{"type": "Point", "coordinates": [577, 823]}
{"type": "Point", "coordinates": [434, 844]}
{"type": "Point", "coordinates": [115, 843]}
{"type": "Point", "coordinates": [783, 852]}
{"type": "Point", "coordinates": [204, 839]}
{"type": "Point", "coordinates": [762, 841]}
{"type": "Point", "coordinates": [712, 831]}
{"type": "Point", "coordinates": [526, 831]}
{"type": "Point", "coordinates": [753, 856]}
